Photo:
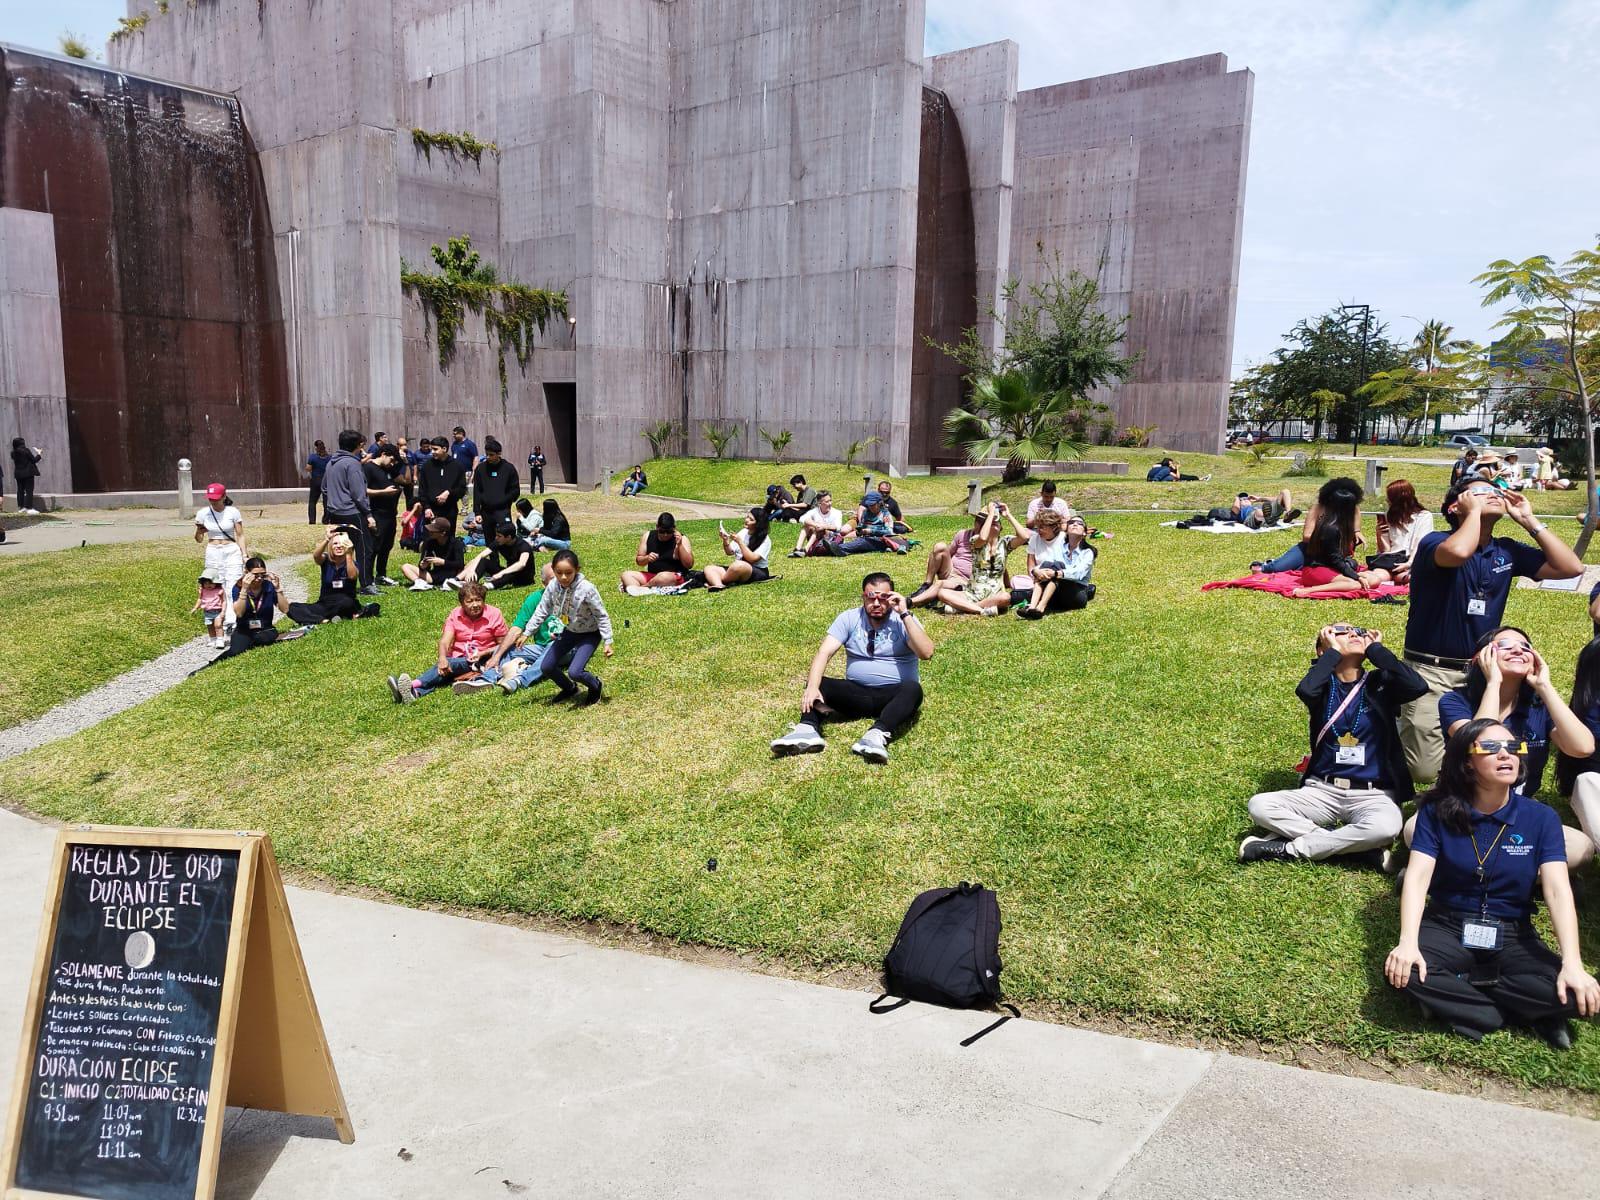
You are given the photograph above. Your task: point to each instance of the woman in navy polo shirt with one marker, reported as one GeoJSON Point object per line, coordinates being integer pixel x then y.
{"type": "Point", "coordinates": [1509, 682]}
{"type": "Point", "coordinates": [1468, 952]}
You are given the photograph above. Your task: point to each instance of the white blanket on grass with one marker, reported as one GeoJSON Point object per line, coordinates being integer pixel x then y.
{"type": "Point", "coordinates": [1233, 527]}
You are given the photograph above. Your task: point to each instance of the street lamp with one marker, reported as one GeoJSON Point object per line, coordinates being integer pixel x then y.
{"type": "Point", "coordinates": [1366, 321]}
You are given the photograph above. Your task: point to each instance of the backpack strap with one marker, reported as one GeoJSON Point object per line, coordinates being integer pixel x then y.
{"type": "Point", "coordinates": [888, 1008]}
{"type": "Point", "coordinates": [990, 1028]}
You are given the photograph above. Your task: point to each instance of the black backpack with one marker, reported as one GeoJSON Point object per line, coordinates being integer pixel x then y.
{"type": "Point", "coordinates": [948, 948]}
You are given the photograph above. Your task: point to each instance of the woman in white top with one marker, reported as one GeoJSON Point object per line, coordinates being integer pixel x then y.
{"type": "Point", "coordinates": [1400, 531]}
{"type": "Point", "coordinates": [219, 527]}
{"type": "Point", "coordinates": [749, 549]}
{"type": "Point", "coordinates": [816, 523]}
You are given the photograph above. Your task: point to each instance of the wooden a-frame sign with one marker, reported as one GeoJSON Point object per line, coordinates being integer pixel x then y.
{"type": "Point", "coordinates": [245, 982]}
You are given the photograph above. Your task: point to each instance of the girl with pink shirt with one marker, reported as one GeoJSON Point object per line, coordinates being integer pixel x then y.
{"type": "Point", "coordinates": [471, 634]}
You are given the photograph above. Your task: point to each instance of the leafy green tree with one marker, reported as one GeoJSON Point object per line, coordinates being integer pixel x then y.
{"type": "Point", "coordinates": [1015, 416]}
{"type": "Point", "coordinates": [1553, 340]}
{"type": "Point", "coordinates": [1315, 375]}
{"type": "Point", "coordinates": [1440, 375]}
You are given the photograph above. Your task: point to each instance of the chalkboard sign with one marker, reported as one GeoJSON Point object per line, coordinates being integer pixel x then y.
{"type": "Point", "coordinates": [128, 1049]}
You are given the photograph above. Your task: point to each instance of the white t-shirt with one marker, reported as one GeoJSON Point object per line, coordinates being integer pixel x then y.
{"type": "Point", "coordinates": [1405, 538]}
{"type": "Point", "coordinates": [1053, 551]}
{"type": "Point", "coordinates": [1057, 505]}
{"type": "Point", "coordinates": [221, 525]}
{"type": "Point", "coordinates": [832, 519]}
{"type": "Point", "coordinates": [761, 551]}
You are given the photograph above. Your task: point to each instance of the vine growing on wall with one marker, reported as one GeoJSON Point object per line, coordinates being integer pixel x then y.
{"type": "Point", "coordinates": [457, 145]}
{"type": "Point", "coordinates": [512, 312]}
{"type": "Point", "coordinates": [127, 26]}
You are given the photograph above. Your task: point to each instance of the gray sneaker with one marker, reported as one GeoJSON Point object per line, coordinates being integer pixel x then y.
{"type": "Point", "coordinates": [462, 686]}
{"type": "Point", "coordinates": [802, 739]}
{"type": "Point", "coordinates": [397, 689]}
{"type": "Point", "coordinates": [873, 745]}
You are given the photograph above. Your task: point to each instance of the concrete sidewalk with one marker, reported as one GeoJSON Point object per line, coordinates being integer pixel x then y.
{"type": "Point", "coordinates": [484, 1060]}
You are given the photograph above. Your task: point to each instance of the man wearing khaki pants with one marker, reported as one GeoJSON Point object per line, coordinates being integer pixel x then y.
{"type": "Point", "coordinates": [1459, 585]}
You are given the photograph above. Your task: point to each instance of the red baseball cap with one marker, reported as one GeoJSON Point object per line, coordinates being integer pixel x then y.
{"type": "Point", "coordinates": [215, 491]}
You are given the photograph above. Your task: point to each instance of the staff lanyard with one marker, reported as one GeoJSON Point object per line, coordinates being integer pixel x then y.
{"type": "Point", "coordinates": [1483, 874]}
{"type": "Point", "coordinates": [1351, 695]}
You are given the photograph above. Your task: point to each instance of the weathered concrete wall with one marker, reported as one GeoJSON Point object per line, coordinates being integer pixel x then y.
{"type": "Point", "coordinates": [981, 85]}
{"type": "Point", "coordinates": [33, 381]}
{"type": "Point", "coordinates": [793, 156]}
{"type": "Point", "coordinates": [1139, 178]}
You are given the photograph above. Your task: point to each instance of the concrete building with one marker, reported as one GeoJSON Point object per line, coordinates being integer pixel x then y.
{"type": "Point", "coordinates": [759, 211]}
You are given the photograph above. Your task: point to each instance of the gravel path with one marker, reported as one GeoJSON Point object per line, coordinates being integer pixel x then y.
{"type": "Point", "coordinates": [134, 687]}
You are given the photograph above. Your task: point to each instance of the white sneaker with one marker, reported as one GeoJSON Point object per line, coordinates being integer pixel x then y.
{"type": "Point", "coordinates": [422, 585]}
{"type": "Point", "coordinates": [463, 686]}
{"type": "Point", "coordinates": [488, 585]}
{"type": "Point", "coordinates": [507, 683]}
{"type": "Point", "coordinates": [637, 589]}
{"type": "Point", "coordinates": [453, 584]}
{"type": "Point", "coordinates": [217, 643]}
{"type": "Point", "coordinates": [873, 746]}
{"type": "Point", "coordinates": [991, 612]}
{"type": "Point", "coordinates": [802, 739]}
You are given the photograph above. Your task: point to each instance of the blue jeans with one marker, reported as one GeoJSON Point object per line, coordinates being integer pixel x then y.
{"type": "Point", "coordinates": [631, 487]}
{"type": "Point", "coordinates": [434, 678]}
{"type": "Point", "coordinates": [1292, 559]}
{"type": "Point", "coordinates": [579, 648]}
{"type": "Point", "coordinates": [549, 543]}
{"type": "Point", "coordinates": [522, 667]}
{"type": "Point", "coordinates": [865, 545]}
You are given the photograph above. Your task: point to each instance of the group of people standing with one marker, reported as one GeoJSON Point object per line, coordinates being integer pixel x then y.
{"type": "Point", "coordinates": [1469, 707]}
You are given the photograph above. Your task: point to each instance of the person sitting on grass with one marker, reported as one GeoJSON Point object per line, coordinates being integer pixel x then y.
{"type": "Point", "coordinates": [777, 502]}
{"type": "Point", "coordinates": [873, 529]}
{"type": "Point", "coordinates": [257, 600]}
{"type": "Point", "coordinates": [749, 548]}
{"type": "Point", "coordinates": [518, 661]}
{"type": "Point", "coordinates": [819, 527]}
{"type": "Point", "coordinates": [1401, 529]}
{"type": "Point", "coordinates": [1468, 952]}
{"type": "Point", "coordinates": [472, 632]}
{"type": "Point", "coordinates": [883, 643]}
{"type": "Point", "coordinates": [529, 522]}
{"type": "Point", "coordinates": [336, 600]}
{"type": "Point", "coordinates": [1509, 682]}
{"type": "Point", "coordinates": [988, 592]}
{"type": "Point", "coordinates": [1328, 552]}
{"type": "Point", "coordinates": [805, 499]}
{"type": "Point", "coordinates": [1579, 778]}
{"type": "Point", "coordinates": [1355, 774]}
{"type": "Point", "coordinates": [1047, 498]}
{"type": "Point", "coordinates": [1168, 471]}
{"type": "Point", "coordinates": [442, 557]}
{"type": "Point", "coordinates": [663, 560]}
{"type": "Point", "coordinates": [576, 603]}
{"type": "Point", "coordinates": [891, 508]}
{"type": "Point", "coordinates": [950, 563]}
{"type": "Point", "coordinates": [635, 482]}
{"type": "Point", "coordinates": [1059, 566]}
{"type": "Point", "coordinates": [557, 533]}
{"type": "Point", "coordinates": [508, 563]}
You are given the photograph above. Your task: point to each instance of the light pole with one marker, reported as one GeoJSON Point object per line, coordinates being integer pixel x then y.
{"type": "Point", "coordinates": [1366, 321]}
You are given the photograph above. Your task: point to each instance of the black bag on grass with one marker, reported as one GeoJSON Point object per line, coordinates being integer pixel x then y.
{"type": "Point", "coordinates": [948, 948]}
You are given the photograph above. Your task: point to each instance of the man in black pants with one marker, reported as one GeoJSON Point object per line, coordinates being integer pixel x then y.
{"type": "Point", "coordinates": [883, 644]}
{"type": "Point", "coordinates": [495, 487]}
{"type": "Point", "coordinates": [383, 472]}
{"type": "Point", "coordinates": [441, 483]}
{"type": "Point", "coordinates": [345, 503]}
{"type": "Point", "coordinates": [536, 462]}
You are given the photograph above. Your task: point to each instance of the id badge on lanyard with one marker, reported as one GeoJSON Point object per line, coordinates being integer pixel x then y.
{"type": "Point", "coordinates": [1483, 932]}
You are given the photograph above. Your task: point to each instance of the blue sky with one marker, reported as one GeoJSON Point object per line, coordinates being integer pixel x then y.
{"type": "Point", "coordinates": [1397, 147]}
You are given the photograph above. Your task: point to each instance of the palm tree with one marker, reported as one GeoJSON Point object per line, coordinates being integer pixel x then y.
{"type": "Point", "coordinates": [1011, 416]}
{"type": "Point", "coordinates": [1436, 346]}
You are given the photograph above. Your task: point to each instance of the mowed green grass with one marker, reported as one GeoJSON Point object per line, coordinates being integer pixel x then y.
{"type": "Point", "coordinates": [1092, 767]}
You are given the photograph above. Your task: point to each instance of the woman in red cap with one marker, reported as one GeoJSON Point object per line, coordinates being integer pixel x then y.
{"type": "Point", "coordinates": [219, 527]}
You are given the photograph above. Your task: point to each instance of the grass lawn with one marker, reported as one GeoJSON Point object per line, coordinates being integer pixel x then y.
{"type": "Point", "coordinates": [1092, 767]}
{"type": "Point", "coordinates": [745, 481]}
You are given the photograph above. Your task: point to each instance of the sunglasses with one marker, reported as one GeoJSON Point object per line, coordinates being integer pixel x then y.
{"type": "Point", "coordinates": [1497, 747]}
{"type": "Point", "coordinates": [1509, 646]}
{"type": "Point", "coordinates": [1346, 630]}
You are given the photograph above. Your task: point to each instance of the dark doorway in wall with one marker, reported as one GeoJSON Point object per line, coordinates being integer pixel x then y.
{"type": "Point", "coordinates": [561, 399]}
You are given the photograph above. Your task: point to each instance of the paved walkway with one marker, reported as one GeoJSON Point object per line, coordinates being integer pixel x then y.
{"type": "Point", "coordinates": [484, 1060]}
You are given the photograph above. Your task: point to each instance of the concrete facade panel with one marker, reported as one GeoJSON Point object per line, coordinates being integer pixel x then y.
{"type": "Point", "coordinates": [33, 381]}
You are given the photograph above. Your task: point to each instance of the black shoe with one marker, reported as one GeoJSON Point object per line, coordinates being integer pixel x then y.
{"type": "Point", "coordinates": [370, 610]}
{"type": "Point", "coordinates": [591, 697]}
{"type": "Point", "coordinates": [1555, 1032]}
{"type": "Point", "coordinates": [1265, 849]}
{"type": "Point", "coordinates": [369, 590]}
{"type": "Point", "coordinates": [563, 695]}
{"type": "Point", "coordinates": [1293, 515]}
{"type": "Point", "coordinates": [1466, 1031]}
{"type": "Point", "coordinates": [1368, 860]}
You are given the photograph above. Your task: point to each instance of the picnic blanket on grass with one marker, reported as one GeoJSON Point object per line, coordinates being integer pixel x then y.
{"type": "Point", "coordinates": [697, 579]}
{"type": "Point", "coordinates": [1284, 582]}
{"type": "Point", "coordinates": [1234, 527]}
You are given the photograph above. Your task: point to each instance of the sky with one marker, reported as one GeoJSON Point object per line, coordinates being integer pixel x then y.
{"type": "Point", "coordinates": [1397, 147]}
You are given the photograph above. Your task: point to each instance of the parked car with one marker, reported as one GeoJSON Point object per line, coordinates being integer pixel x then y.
{"type": "Point", "coordinates": [1467, 441]}
{"type": "Point", "coordinates": [1240, 438]}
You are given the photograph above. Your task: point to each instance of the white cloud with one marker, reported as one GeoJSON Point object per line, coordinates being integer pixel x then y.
{"type": "Point", "coordinates": [1396, 147]}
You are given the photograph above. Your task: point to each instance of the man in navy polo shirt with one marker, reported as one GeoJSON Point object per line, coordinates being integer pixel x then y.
{"type": "Point", "coordinates": [464, 450]}
{"type": "Point", "coordinates": [1459, 585]}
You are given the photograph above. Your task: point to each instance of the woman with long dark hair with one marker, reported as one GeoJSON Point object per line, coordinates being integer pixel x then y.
{"type": "Point", "coordinates": [1578, 777]}
{"type": "Point", "coordinates": [557, 533]}
{"type": "Point", "coordinates": [1509, 682]}
{"type": "Point", "coordinates": [1468, 952]}
{"type": "Point", "coordinates": [749, 548]}
{"type": "Point", "coordinates": [1333, 530]}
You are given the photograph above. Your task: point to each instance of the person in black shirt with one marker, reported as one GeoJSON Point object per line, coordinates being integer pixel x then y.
{"type": "Point", "coordinates": [1355, 775]}
{"type": "Point", "coordinates": [536, 465]}
{"type": "Point", "coordinates": [383, 473]}
{"type": "Point", "coordinates": [664, 558]}
{"type": "Point", "coordinates": [442, 557]}
{"type": "Point", "coordinates": [891, 508]}
{"type": "Point", "coordinates": [495, 488]}
{"type": "Point", "coordinates": [506, 562]}
{"type": "Point", "coordinates": [441, 482]}
{"type": "Point", "coordinates": [341, 580]}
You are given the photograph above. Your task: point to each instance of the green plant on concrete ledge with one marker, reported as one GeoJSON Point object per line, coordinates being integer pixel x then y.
{"type": "Point", "coordinates": [512, 312]}
{"type": "Point", "coordinates": [778, 441]}
{"type": "Point", "coordinates": [659, 435]}
{"type": "Point", "coordinates": [457, 145]}
{"type": "Point", "coordinates": [73, 46]}
{"type": "Point", "coordinates": [129, 25]}
{"type": "Point", "coordinates": [855, 450]}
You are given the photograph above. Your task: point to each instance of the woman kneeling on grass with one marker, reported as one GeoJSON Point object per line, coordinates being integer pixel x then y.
{"type": "Point", "coordinates": [749, 548]}
{"type": "Point", "coordinates": [950, 563]}
{"type": "Point", "coordinates": [472, 633]}
{"type": "Point", "coordinates": [664, 558]}
{"type": "Point", "coordinates": [1468, 952]}
{"type": "Point", "coordinates": [576, 603]}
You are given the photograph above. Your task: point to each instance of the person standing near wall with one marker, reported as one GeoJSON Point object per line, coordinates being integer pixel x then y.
{"type": "Point", "coordinates": [495, 488]}
{"type": "Point", "coordinates": [316, 466]}
{"type": "Point", "coordinates": [441, 483]}
{"type": "Point", "coordinates": [536, 465]}
{"type": "Point", "coordinates": [383, 492]}
{"type": "Point", "coordinates": [345, 503]}
{"type": "Point", "coordinates": [219, 527]}
{"type": "Point", "coordinates": [25, 469]}
{"type": "Point", "coordinates": [464, 450]}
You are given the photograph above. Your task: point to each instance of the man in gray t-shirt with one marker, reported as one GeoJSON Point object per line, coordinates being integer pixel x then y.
{"type": "Point", "coordinates": [883, 644]}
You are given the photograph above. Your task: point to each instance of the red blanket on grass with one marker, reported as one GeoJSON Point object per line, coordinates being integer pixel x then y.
{"type": "Point", "coordinates": [1283, 583]}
